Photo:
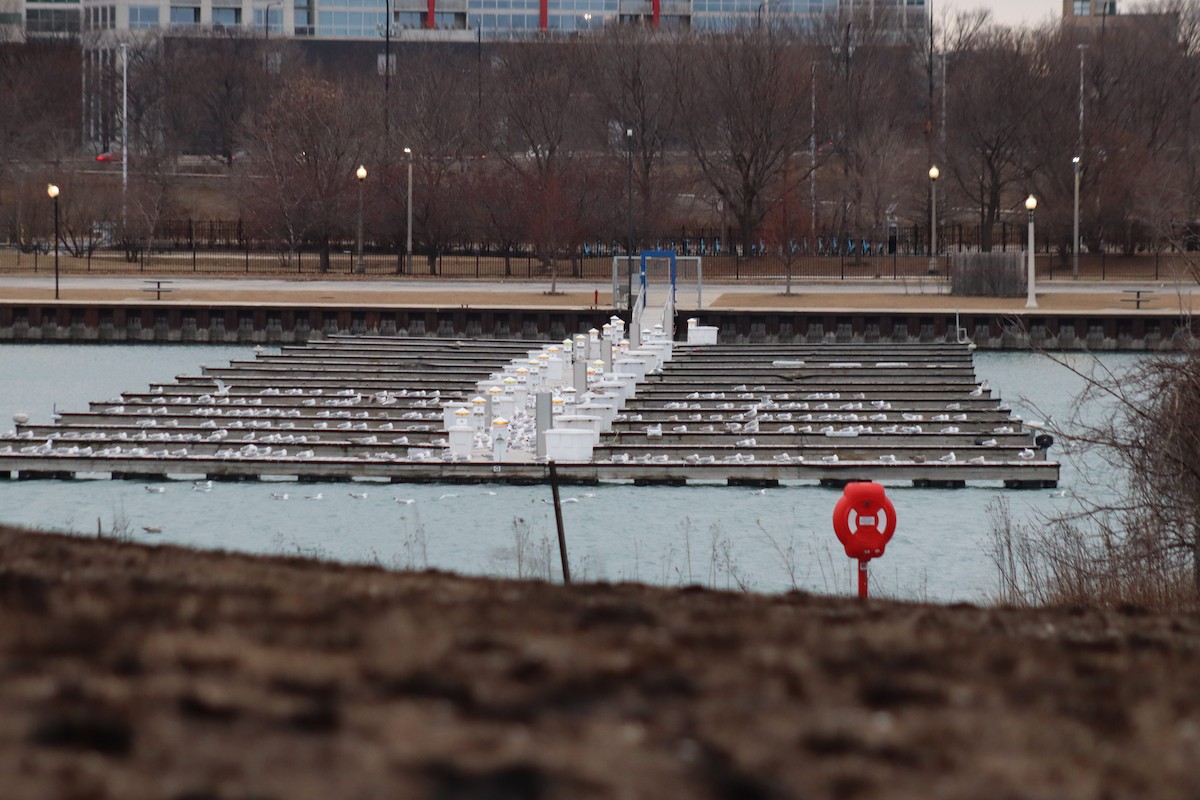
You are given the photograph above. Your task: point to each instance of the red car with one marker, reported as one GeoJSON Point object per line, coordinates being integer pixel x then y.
{"type": "Point", "coordinates": [109, 156]}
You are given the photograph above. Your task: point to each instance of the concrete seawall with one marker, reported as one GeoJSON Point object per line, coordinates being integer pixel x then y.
{"type": "Point", "coordinates": [223, 323]}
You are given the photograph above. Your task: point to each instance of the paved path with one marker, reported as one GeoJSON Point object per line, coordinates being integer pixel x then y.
{"type": "Point", "coordinates": [1055, 296]}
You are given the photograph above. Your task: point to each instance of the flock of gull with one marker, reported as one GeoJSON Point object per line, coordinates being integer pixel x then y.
{"type": "Point", "coordinates": [385, 401]}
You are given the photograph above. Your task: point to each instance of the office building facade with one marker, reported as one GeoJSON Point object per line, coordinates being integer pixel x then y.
{"type": "Point", "coordinates": [435, 20]}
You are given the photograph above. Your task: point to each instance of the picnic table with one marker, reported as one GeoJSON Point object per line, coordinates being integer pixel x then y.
{"type": "Point", "coordinates": [1139, 296]}
{"type": "Point", "coordinates": [157, 288]}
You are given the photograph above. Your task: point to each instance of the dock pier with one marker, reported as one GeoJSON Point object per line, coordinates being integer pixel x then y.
{"type": "Point", "coordinates": [376, 408]}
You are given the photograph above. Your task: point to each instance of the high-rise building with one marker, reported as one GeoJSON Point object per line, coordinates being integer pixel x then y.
{"type": "Point", "coordinates": [444, 20]}
{"type": "Point", "coordinates": [1088, 12]}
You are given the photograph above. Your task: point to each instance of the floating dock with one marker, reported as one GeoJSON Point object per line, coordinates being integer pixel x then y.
{"type": "Point", "coordinates": [375, 408]}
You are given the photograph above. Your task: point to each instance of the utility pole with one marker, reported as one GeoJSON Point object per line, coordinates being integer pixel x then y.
{"type": "Point", "coordinates": [124, 133]}
{"type": "Point", "coordinates": [1077, 168]}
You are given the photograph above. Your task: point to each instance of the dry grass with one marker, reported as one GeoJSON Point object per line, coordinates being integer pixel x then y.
{"type": "Point", "coordinates": [1087, 562]}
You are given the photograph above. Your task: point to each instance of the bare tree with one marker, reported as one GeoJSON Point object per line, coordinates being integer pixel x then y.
{"type": "Point", "coordinates": [870, 118]}
{"type": "Point", "coordinates": [538, 119]}
{"type": "Point", "coordinates": [215, 82]}
{"type": "Point", "coordinates": [739, 116]}
{"type": "Point", "coordinates": [1131, 535]}
{"type": "Point", "coordinates": [39, 123]}
{"type": "Point", "coordinates": [298, 179]}
{"type": "Point", "coordinates": [637, 116]}
{"type": "Point", "coordinates": [437, 128]}
{"type": "Point", "coordinates": [988, 132]}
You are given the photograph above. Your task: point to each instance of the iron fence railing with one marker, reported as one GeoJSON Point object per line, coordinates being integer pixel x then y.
{"type": "Point", "coordinates": [481, 266]}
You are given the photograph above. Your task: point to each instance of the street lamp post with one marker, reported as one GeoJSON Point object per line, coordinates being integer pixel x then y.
{"type": "Point", "coordinates": [629, 219]}
{"type": "Point", "coordinates": [408, 238]}
{"type": "Point", "coordinates": [361, 174]}
{"type": "Point", "coordinates": [934, 173]}
{"type": "Point", "coordinates": [124, 134]}
{"type": "Point", "coordinates": [52, 191]}
{"type": "Point", "coordinates": [1031, 300]}
{"type": "Point", "coordinates": [1077, 163]}
{"type": "Point", "coordinates": [387, 29]}
{"type": "Point", "coordinates": [267, 16]}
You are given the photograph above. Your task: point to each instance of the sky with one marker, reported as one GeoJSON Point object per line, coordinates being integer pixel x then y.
{"type": "Point", "coordinates": [1006, 12]}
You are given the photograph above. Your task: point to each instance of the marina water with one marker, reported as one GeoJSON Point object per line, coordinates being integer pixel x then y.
{"type": "Point", "coordinates": [717, 536]}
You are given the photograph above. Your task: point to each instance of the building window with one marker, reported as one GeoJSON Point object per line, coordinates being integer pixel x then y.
{"type": "Point", "coordinates": [47, 20]}
{"type": "Point", "coordinates": [271, 20]}
{"type": "Point", "coordinates": [1082, 8]}
{"type": "Point", "coordinates": [227, 17]}
{"type": "Point", "coordinates": [185, 15]}
{"type": "Point", "coordinates": [143, 17]}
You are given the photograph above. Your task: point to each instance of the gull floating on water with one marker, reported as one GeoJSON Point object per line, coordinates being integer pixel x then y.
{"type": "Point", "coordinates": [155, 489]}
{"type": "Point", "coordinates": [358, 495]}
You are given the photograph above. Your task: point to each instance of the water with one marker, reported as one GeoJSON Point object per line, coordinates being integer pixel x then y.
{"type": "Point", "coordinates": [710, 535]}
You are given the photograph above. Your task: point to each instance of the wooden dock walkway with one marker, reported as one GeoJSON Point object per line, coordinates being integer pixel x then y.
{"type": "Point", "coordinates": [373, 408]}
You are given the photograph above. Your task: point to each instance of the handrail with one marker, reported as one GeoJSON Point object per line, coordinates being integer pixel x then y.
{"type": "Point", "coordinates": [635, 320]}
{"type": "Point", "coordinates": [669, 317]}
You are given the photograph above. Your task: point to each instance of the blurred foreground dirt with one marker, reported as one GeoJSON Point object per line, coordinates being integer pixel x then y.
{"type": "Point", "coordinates": [142, 672]}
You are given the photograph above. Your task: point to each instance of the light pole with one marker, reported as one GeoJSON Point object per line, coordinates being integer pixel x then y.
{"type": "Point", "coordinates": [1031, 300]}
{"type": "Point", "coordinates": [758, 15]}
{"type": "Point", "coordinates": [387, 30]}
{"type": "Point", "coordinates": [124, 132]}
{"type": "Point", "coordinates": [812, 147]}
{"type": "Point", "coordinates": [361, 174]}
{"type": "Point", "coordinates": [1078, 166]}
{"type": "Point", "coordinates": [267, 16]}
{"type": "Point", "coordinates": [52, 191]}
{"type": "Point", "coordinates": [629, 219]}
{"type": "Point", "coordinates": [408, 238]}
{"type": "Point", "coordinates": [934, 173]}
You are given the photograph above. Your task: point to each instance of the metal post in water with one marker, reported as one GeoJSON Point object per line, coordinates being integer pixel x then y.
{"type": "Point", "coordinates": [558, 519]}
{"type": "Point", "coordinates": [543, 409]}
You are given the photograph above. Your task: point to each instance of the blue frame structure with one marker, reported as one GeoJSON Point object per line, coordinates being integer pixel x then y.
{"type": "Point", "coordinates": [667, 254]}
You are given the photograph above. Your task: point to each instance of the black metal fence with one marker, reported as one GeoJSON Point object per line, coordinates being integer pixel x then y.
{"type": "Point", "coordinates": [591, 267]}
